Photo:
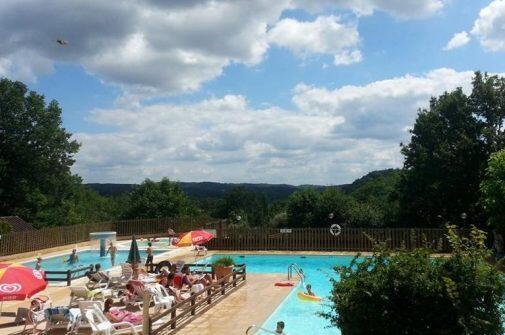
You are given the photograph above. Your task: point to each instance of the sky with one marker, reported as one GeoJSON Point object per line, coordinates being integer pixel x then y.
{"type": "Point", "coordinates": [285, 91]}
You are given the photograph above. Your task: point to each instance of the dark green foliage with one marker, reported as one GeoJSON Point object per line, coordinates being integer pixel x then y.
{"type": "Point", "coordinates": [405, 292]}
{"type": "Point", "coordinates": [158, 200]}
{"type": "Point", "coordinates": [446, 158]}
{"type": "Point", "coordinates": [5, 227]}
{"type": "Point", "coordinates": [36, 154]}
{"type": "Point", "coordinates": [310, 208]}
{"type": "Point", "coordinates": [378, 192]}
{"type": "Point", "coordinates": [493, 190]}
{"type": "Point", "coordinates": [224, 261]}
{"type": "Point", "coordinates": [241, 207]}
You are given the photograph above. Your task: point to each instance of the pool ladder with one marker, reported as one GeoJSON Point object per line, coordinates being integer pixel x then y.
{"type": "Point", "coordinates": [296, 269]}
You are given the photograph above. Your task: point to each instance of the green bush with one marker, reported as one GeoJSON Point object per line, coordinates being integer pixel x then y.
{"type": "Point", "coordinates": [224, 261]}
{"type": "Point", "coordinates": [5, 227]}
{"type": "Point", "coordinates": [405, 292]}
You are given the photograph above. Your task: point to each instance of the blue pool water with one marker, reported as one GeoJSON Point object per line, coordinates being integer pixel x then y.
{"type": "Point", "coordinates": [86, 258]}
{"type": "Point", "coordinates": [162, 243]}
{"type": "Point", "coordinates": [299, 316]}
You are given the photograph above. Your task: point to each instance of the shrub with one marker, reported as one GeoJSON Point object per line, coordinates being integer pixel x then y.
{"type": "Point", "coordinates": [224, 261]}
{"type": "Point", "coordinates": [405, 292]}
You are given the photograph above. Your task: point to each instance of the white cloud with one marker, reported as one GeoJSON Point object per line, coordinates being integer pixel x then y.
{"type": "Point", "coordinates": [332, 137]}
{"type": "Point", "coordinates": [380, 110]}
{"type": "Point", "coordinates": [489, 28]}
{"type": "Point", "coordinates": [145, 47]}
{"type": "Point", "coordinates": [404, 9]}
{"type": "Point", "coordinates": [458, 40]}
{"type": "Point", "coordinates": [324, 35]}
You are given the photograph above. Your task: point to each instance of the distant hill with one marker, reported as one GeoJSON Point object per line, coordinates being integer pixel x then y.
{"type": "Point", "coordinates": [211, 189]}
{"type": "Point", "coordinates": [273, 192]}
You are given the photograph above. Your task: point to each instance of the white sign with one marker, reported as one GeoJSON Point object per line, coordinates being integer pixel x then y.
{"type": "Point", "coordinates": [286, 231]}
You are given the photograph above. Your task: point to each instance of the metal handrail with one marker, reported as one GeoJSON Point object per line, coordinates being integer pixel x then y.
{"type": "Point", "coordinates": [298, 270]}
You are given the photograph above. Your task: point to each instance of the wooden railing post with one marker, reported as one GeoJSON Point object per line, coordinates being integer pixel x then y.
{"type": "Point", "coordinates": [146, 318]}
{"type": "Point", "coordinates": [69, 277]}
{"type": "Point", "coordinates": [172, 317]}
{"type": "Point", "coordinates": [234, 279]}
{"type": "Point", "coordinates": [209, 296]}
{"type": "Point", "coordinates": [223, 288]}
{"type": "Point", "coordinates": [193, 303]}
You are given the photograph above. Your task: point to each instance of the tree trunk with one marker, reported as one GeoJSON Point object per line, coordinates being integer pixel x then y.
{"type": "Point", "coordinates": [499, 245]}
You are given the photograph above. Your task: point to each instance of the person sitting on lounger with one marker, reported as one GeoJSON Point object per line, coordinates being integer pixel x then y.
{"type": "Point", "coordinates": [309, 290]}
{"type": "Point", "coordinates": [168, 283]}
{"type": "Point", "coordinates": [100, 273]}
{"type": "Point", "coordinates": [115, 314]}
{"type": "Point", "coordinates": [204, 279]}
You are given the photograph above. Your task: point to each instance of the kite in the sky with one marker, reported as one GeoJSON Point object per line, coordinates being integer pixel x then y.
{"type": "Point", "coordinates": [62, 42]}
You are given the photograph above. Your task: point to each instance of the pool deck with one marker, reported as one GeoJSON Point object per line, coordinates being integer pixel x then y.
{"type": "Point", "coordinates": [251, 304]}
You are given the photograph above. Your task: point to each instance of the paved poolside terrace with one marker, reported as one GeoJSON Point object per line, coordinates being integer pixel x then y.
{"type": "Point", "coordinates": [251, 304]}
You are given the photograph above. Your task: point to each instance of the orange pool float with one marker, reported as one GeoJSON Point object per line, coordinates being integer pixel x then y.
{"type": "Point", "coordinates": [284, 284]}
{"type": "Point", "coordinates": [307, 297]}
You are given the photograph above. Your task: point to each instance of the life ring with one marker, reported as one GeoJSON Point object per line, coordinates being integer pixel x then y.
{"type": "Point", "coordinates": [335, 229]}
{"type": "Point", "coordinates": [284, 284]}
{"type": "Point", "coordinates": [306, 297]}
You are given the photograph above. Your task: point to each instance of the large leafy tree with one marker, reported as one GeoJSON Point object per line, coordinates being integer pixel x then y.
{"type": "Point", "coordinates": [158, 200]}
{"type": "Point", "coordinates": [446, 157]}
{"type": "Point", "coordinates": [36, 154]}
{"type": "Point", "coordinates": [493, 198]}
{"type": "Point", "coordinates": [242, 207]}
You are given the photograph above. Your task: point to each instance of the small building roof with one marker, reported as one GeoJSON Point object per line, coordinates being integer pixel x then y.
{"type": "Point", "coordinates": [17, 223]}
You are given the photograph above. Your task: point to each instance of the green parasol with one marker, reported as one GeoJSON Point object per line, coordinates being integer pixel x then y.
{"type": "Point", "coordinates": [134, 254]}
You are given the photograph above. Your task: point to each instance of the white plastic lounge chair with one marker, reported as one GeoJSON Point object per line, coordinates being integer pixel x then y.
{"type": "Point", "coordinates": [100, 325]}
{"type": "Point", "coordinates": [138, 293]}
{"type": "Point", "coordinates": [81, 293]}
{"type": "Point", "coordinates": [98, 280]}
{"type": "Point", "coordinates": [57, 318]}
{"type": "Point", "coordinates": [35, 315]}
{"type": "Point", "coordinates": [161, 298]}
{"type": "Point", "coordinates": [84, 306]}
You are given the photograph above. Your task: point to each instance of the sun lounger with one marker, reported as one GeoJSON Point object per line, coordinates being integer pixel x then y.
{"type": "Point", "coordinates": [101, 325]}
{"type": "Point", "coordinates": [81, 293]}
{"type": "Point", "coordinates": [161, 298]}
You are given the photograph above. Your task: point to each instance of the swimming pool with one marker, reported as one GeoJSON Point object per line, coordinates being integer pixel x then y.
{"type": "Point", "coordinates": [86, 257]}
{"type": "Point", "coordinates": [299, 316]}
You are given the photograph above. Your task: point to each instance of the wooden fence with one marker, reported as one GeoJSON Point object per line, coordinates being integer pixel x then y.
{"type": "Point", "coordinates": [34, 240]}
{"type": "Point", "coordinates": [320, 239]}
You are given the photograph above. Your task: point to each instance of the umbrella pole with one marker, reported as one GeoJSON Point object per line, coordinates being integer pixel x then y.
{"type": "Point", "coordinates": [1, 308]}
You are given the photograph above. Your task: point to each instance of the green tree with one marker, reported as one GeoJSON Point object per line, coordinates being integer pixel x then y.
{"type": "Point", "coordinates": [402, 292]}
{"type": "Point", "coordinates": [493, 197]}
{"type": "Point", "coordinates": [36, 154]}
{"type": "Point", "coordinates": [252, 208]}
{"type": "Point", "coordinates": [158, 200]}
{"type": "Point", "coordinates": [443, 164]}
{"type": "Point", "coordinates": [301, 207]}
{"type": "Point", "coordinates": [5, 227]}
{"type": "Point", "coordinates": [446, 158]}
{"type": "Point", "coordinates": [378, 191]}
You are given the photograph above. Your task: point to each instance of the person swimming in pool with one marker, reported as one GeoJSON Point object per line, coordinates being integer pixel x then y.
{"type": "Point", "coordinates": [73, 258]}
{"type": "Point", "coordinates": [112, 251]}
{"type": "Point", "coordinates": [309, 290]}
{"type": "Point", "coordinates": [38, 265]}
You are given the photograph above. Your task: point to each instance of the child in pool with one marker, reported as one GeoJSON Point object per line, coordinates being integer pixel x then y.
{"type": "Point", "coordinates": [309, 290]}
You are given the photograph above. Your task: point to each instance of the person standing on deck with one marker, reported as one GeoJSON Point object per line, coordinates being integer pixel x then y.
{"type": "Point", "coordinates": [112, 250]}
{"type": "Point", "coordinates": [149, 251]}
